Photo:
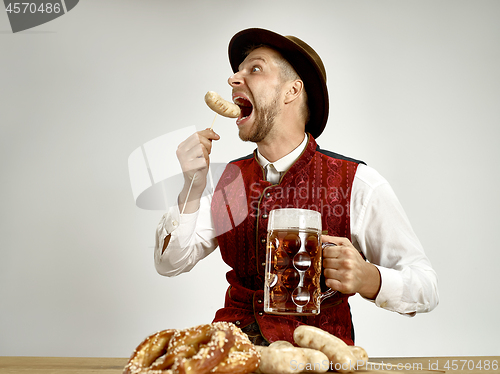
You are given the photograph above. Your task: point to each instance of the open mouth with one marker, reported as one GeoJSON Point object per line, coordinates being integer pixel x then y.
{"type": "Point", "coordinates": [246, 107]}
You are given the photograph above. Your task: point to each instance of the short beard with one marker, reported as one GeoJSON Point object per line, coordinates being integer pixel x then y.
{"type": "Point", "coordinates": [264, 122]}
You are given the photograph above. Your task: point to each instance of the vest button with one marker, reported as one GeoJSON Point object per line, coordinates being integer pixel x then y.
{"type": "Point", "coordinates": [259, 301]}
{"type": "Point", "coordinates": [261, 313]}
{"type": "Point", "coordinates": [265, 216]}
{"type": "Point", "coordinates": [268, 194]}
{"type": "Point", "coordinates": [237, 323]}
{"type": "Point", "coordinates": [263, 240]}
{"type": "Point", "coordinates": [263, 264]}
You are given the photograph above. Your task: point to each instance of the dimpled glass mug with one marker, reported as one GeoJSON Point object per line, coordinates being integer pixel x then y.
{"type": "Point", "coordinates": [293, 263]}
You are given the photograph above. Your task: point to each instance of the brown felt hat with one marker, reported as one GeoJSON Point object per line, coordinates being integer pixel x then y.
{"type": "Point", "coordinates": [304, 60]}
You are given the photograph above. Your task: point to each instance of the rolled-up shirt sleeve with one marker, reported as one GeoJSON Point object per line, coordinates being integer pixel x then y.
{"type": "Point", "coordinates": [192, 238]}
{"type": "Point", "coordinates": [382, 231]}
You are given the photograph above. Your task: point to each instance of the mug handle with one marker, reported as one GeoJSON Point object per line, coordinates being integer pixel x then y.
{"type": "Point", "coordinates": [329, 292]}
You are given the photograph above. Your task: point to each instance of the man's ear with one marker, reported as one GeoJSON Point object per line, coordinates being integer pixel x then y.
{"type": "Point", "coordinates": [294, 90]}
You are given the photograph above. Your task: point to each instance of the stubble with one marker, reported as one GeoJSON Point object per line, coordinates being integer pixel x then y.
{"type": "Point", "coordinates": [264, 121]}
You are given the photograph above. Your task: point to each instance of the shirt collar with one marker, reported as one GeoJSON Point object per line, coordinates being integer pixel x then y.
{"type": "Point", "coordinates": [284, 163]}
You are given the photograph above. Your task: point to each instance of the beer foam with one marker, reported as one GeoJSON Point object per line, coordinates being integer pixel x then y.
{"type": "Point", "coordinates": [294, 218]}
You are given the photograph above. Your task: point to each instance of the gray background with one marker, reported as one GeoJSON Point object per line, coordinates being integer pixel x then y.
{"type": "Point", "coordinates": [415, 92]}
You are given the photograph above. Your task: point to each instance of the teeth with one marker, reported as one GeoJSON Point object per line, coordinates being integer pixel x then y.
{"type": "Point", "coordinates": [245, 106]}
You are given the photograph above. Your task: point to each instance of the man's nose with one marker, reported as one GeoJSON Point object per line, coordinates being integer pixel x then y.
{"type": "Point", "coordinates": [235, 80]}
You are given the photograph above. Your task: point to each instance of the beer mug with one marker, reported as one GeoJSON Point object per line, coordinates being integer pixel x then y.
{"type": "Point", "coordinates": [293, 263]}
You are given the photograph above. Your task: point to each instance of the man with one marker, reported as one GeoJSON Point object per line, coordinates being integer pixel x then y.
{"type": "Point", "coordinates": [280, 84]}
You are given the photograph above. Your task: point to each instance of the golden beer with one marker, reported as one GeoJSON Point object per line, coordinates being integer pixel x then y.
{"type": "Point", "coordinates": [293, 262]}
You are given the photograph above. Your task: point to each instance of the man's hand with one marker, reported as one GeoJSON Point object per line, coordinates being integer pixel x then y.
{"type": "Point", "coordinates": [193, 155]}
{"type": "Point", "coordinates": [346, 271]}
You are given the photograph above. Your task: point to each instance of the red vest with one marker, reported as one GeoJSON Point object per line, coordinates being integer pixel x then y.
{"type": "Point", "coordinates": [318, 180]}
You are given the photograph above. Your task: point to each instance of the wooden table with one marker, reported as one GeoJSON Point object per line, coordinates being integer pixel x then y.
{"type": "Point", "coordinates": [420, 365]}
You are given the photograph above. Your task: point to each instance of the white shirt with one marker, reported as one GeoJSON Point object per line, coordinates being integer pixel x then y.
{"type": "Point", "coordinates": [379, 228]}
{"type": "Point", "coordinates": [275, 170]}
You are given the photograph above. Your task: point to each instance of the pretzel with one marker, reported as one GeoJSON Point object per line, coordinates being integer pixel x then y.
{"type": "Point", "coordinates": [148, 351]}
{"type": "Point", "coordinates": [242, 358]}
{"type": "Point", "coordinates": [218, 348]}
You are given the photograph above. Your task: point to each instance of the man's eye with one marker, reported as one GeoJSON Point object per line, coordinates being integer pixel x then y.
{"type": "Point", "coordinates": [256, 69]}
